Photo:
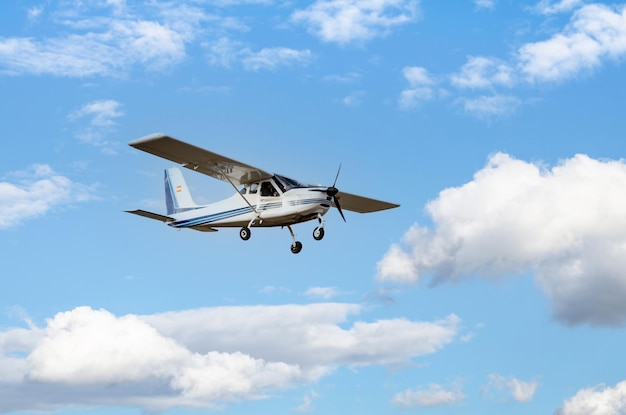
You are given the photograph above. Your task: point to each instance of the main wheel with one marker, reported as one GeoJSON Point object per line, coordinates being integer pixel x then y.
{"type": "Point", "coordinates": [318, 233]}
{"type": "Point", "coordinates": [245, 233]}
{"type": "Point", "coordinates": [296, 247]}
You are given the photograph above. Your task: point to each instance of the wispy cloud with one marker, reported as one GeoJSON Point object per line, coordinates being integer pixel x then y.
{"type": "Point", "coordinates": [565, 224]}
{"type": "Point", "coordinates": [488, 106]}
{"type": "Point", "coordinates": [227, 53]}
{"type": "Point", "coordinates": [37, 191]}
{"type": "Point", "coordinates": [98, 118]}
{"type": "Point", "coordinates": [559, 6]}
{"type": "Point", "coordinates": [325, 293]}
{"type": "Point", "coordinates": [521, 391]}
{"type": "Point", "coordinates": [343, 22]}
{"type": "Point", "coordinates": [272, 58]}
{"type": "Point", "coordinates": [433, 395]}
{"type": "Point", "coordinates": [105, 46]}
{"type": "Point", "coordinates": [420, 87]}
{"type": "Point", "coordinates": [485, 4]}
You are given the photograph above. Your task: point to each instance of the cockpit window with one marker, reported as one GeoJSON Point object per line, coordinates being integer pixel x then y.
{"type": "Point", "coordinates": [268, 190]}
{"type": "Point", "coordinates": [254, 187]}
{"type": "Point", "coordinates": [285, 183]}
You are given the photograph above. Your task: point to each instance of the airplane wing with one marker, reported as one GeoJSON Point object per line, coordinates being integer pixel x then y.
{"type": "Point", "coordinates": [200, 160]}
{"type": "Point", "coordinates": [362, 204]}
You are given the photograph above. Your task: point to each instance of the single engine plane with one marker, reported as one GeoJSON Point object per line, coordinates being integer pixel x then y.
{"type": "Point", "coordinates": [261, 199]}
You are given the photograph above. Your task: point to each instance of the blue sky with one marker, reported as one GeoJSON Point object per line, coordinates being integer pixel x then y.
{"type": "Point", "coordinates": [496, 287]}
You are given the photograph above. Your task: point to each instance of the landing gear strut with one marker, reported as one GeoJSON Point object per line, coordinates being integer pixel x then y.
{"type": "Point", "coordinates": [318, 233]}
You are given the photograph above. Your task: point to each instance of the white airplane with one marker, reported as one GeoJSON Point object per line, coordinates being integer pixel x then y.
{"type": "Point", "coordinates": [262, 199]}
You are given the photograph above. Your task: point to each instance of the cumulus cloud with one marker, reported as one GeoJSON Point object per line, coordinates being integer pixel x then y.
{"type": "Point", "coordinates": [35, 192]}
{"type": "Point", "coordinates": [520, 390]}
{"type": "Point", "coordinates": [196, 358]}
{"type": "Point", "coordinates": [599, 400]}
{"type": "Point", "coordinates": [341, 21]}
{"type": "Point", "coordinates": [434, 395]}
{"type": "Point", "coordinates": [596, 32]}
{"type": "Point", "coordinates": [565, 223]}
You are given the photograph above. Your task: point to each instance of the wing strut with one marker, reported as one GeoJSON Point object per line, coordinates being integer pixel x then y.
{"type": "Point", "coordinates": [236, 190]}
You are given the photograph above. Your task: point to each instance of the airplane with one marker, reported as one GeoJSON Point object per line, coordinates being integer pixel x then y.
{"type": "Point", "coordinates": [261, 199]}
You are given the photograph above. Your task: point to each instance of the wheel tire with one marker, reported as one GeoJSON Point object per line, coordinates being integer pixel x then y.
{"type": "Point", "coordinates": [245, 233]}
{"type": "Point", "coordinates": [296, 247]}
{"type": "Point", "coordinates": [318, 234]}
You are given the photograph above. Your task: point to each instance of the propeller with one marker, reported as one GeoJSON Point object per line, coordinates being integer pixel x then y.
{"type": "Point", "coordinates": [332, 192]}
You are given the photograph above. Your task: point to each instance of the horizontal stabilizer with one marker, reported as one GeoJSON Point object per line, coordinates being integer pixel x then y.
{"type": "Point", "coordinates": [151, 215]}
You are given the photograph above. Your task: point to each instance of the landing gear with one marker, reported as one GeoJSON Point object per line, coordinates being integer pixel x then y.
{"type": "Point", "coordinates": [296, 246]}
{"type": "Point", "coordinates": [245, 233]}
{"type": "Point", "coordinates": [318, 233]}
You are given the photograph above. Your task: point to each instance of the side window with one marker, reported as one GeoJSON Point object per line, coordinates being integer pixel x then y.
{"type": "Point", "coordinates": [254, 187]}
{"type": "Point", "coordinates": [267, 189]}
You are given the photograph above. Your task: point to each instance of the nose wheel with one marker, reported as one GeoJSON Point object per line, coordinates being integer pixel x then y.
{"type": "Point", "coordinates": [318, 233]}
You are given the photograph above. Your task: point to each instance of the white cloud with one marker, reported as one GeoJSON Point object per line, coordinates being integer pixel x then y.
{"type": "Point", "coordinates": [37, 190]}
{"type": "Point", "coordinates": [485, 4]}
{"type": "Point", "coordinates": [566, 224]}
{"type": "Point", "coordinates": [104, 46]}
{"type": "Point", "coordinates": [434, 395]}
{"type": "Point", "coordinates": [346, 21]}
{"type": "Point", "coordinates": [596, 32]}
{"type": "Point", "coordinates": [483, 72]}
{"type": "Point", "coordinates": [561, 6]}
{"type": "Point", "coordinates": [101, 113]}
{"type": "Point", "coordinates": [520, 390]}
{"type": "Point", "coordinates": [307, 404]}
{"type": "Point", "coordinates": [325, 293]}
{"type": "Point", "coordinates": [226, 52]}
{"type": "Point", "coordinates": [100, 121]}
{"type": "Point", "coordinates": [488, 106]}
{"type": "Point", "coordinates": [271, 58]}
{"type": "Point", "coordinates": [196, 358]}
{"type": "Point", "coordinates": [420, 87]}
{"type": "Point", "coordinates": [34, 12]}
{"type": "Point", "coordinates": [599, 400]}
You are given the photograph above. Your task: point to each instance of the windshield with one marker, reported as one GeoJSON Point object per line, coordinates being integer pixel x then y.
{"type": "Point", "coordinates": [285, 183]}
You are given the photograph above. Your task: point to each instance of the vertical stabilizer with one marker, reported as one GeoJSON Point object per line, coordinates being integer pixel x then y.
{"type": "Point", "coordinates": [177, 196]}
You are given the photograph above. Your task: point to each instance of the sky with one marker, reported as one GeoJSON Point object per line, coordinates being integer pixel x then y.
{"type": "Point", "coordinates": [496, 287]}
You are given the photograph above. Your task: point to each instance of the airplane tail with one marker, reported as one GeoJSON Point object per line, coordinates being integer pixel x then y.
{"type": "Point", "coordinates": [177, 196]}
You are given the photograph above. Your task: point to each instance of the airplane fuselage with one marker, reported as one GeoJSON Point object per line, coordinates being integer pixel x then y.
{"type": "Point", "coordinates": [254, 209]}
